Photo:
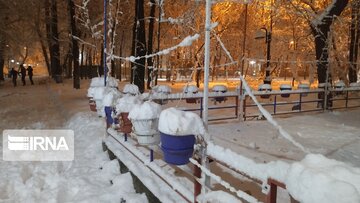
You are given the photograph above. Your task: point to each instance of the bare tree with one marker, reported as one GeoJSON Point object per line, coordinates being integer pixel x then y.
{"type": "Point", "coordinates": [354, 40]}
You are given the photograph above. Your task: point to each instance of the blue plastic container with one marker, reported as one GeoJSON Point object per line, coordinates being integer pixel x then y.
{"type": "Point", "coordinates": [177, 149]}
{"type": "Point", "coordinates": [108, 111]}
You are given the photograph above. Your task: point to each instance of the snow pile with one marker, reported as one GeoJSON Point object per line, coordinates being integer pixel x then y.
{"type": "Point", "coordinates": [314, 179]}
{"type": "Point", "coordinates": [180, 123]}
{"type": "Point", "coordinates": [165, 89]}
{"type": "Point", "coordinates": [217, 196]}
{"type": "Point", "coordinates": [111, 95]}
{"type": "Point", "coordinates": [147, 110]}
{"type": "Point", "coordinates": [190, 89]}
{"type": "Point", "coordinates": [126, 103]}
{"type": "Point", "coordinates": [219, 88]}
{"type": "Point", "coordinates": [86, 179]}
{"type": "Point", "coordinates": [318, 179]}
{"type": "Point", "coordinates": [99, 82]}
{"type": "Point", "coordinates": [131, 89]}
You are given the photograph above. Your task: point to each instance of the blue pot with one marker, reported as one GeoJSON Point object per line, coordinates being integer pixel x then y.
{"type": "Point", "coordinates": [177, 149]}
{"type": "Point", "coordinates": [108, 111]}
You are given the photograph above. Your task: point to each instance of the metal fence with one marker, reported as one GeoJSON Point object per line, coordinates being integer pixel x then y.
{"type": "Point", "coordinates": [227, 105]}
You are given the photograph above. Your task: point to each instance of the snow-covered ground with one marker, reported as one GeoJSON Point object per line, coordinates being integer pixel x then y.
{"type": "Point", "coordinates": [91, 177]}
{"type": "Point", "coordinates": [58, 106]}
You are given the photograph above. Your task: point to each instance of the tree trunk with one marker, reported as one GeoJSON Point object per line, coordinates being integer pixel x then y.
{"type": "Point", "coordinates": [320, 29]}
{"type": "Point", "coordinates": [2, 60]}
{"type": "Point", "coordinates": [354, 41]}
{"type": "Point", "coordinates": [82, 59]}
{"type": "Point", "coordinates": [75, 46]}
{"type": "Point", "coordinates": [150, 61]}
{"type": "Point", "coordinates": [48, 35]}
{"type": "Point", "coordinates": [55, 47]}
{"type": "Point", "coordinates": [133, 43]}
{"type": "Point", "coordinates": [140, 46]}
{"type": "Point", "coordinates": [121, 53]}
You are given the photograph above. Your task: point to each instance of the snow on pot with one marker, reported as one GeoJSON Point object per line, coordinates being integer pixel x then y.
{"type": "Point", "coordinates": [191, 90]}
{"type": "Point", "coordinates": [145, 118]}
{"type": "Point", "coordinates": [110, 96]}
{"type": "Point", "coordinates": [161, 91]}
{"type": "Point", "coordinates": [123, 106]}
{"type": "Point", "coordinates": [285, 87]}
{"type": "Point", "coordinates": [354, 84]}
{"type": "Point", "coordinates": [131, 89]}
{"type": "Point", "coordinates": [177, 133]}
{"type": "Point", "coordinates": [304, 86]}
{"type": "Point", "coordinates": [265, 88]}
{"type": "Point", "coordinates": [220, 89]}
{"type": "Point", "coordinates": [340, 85]}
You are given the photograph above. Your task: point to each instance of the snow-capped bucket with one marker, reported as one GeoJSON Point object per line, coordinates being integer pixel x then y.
{"type": "Point", "coordinates": [146, 131]}
{"type": "Point", "coordinates": [145, 119]}
{"type": "Point", "coordinates": [191, 90]}
{"type": "Point", "coordinates": [265, 88]}
{"type": "Point", "coordinates": [285, 87]}
{"type": "Point", "coordinates": [161, 92]}
{"type": "Point", "coordinates": [304, 86]}
{"type": "Point", "coordinates": [177, 149]}
{"type": "Point", "coordinates": [220, 89]}
{"type": "Point", "coordinates": [340, 85]}
{"type": "Point", "coordinates": [177, 132]}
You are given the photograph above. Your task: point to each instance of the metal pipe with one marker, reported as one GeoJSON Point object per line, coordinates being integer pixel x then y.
{"type": "Point", "coordinates": [105, 30]}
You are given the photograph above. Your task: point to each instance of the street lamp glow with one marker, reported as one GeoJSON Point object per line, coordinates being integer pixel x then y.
{"type": "Point", "coordinates": [17, 63]}
{"type": "Point", "coordinates": [252, 62]}
{"type": "Point", "coordinates": [12, 60]}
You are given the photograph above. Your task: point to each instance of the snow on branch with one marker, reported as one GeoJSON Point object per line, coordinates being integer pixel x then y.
{"type": "Point", "coordinates": [82, 41]}
{"type": "Point", "coordinates": [224, 48]}
{"type": "Point", "coordinates": [185, 43]}
{"type": "Point", "coordinates": [270, 119]}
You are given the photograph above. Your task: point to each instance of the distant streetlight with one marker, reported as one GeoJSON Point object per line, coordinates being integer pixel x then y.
{"type": "Point", "coordinates": [12, 60]}
{"type": "Point", "coordinates": [260, 35]}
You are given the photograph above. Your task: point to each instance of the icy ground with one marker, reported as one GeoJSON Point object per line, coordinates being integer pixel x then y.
{"type": "Point", "coordinates": [92, 177]}
{"type": "Point", "coordinates": [333, 134]}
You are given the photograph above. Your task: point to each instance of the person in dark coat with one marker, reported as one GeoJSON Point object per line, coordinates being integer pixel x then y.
{"type": "Point", "coordinates": [30, 74]}
{"type": "Point", "coordinates": [14, 75]}
{"type": "Point", "coordinates": [23, 74]}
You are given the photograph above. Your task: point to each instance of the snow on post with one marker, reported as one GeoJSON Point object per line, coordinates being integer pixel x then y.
{"type": "Point", "coordinates": [180, 123]}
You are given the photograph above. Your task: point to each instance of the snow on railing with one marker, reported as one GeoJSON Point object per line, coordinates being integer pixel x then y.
{"type": "Point", "coordinates": [218, 179]}
{"type": "Point", "coordinates": [275, 170]}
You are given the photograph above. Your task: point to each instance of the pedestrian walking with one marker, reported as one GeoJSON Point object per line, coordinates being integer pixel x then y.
{"type": "Point", "coordinates": [30, 74]}
{"type": "Point", "coordinates": [23, 74]}
{"type": "Point", "coordinates": [14, 75]}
